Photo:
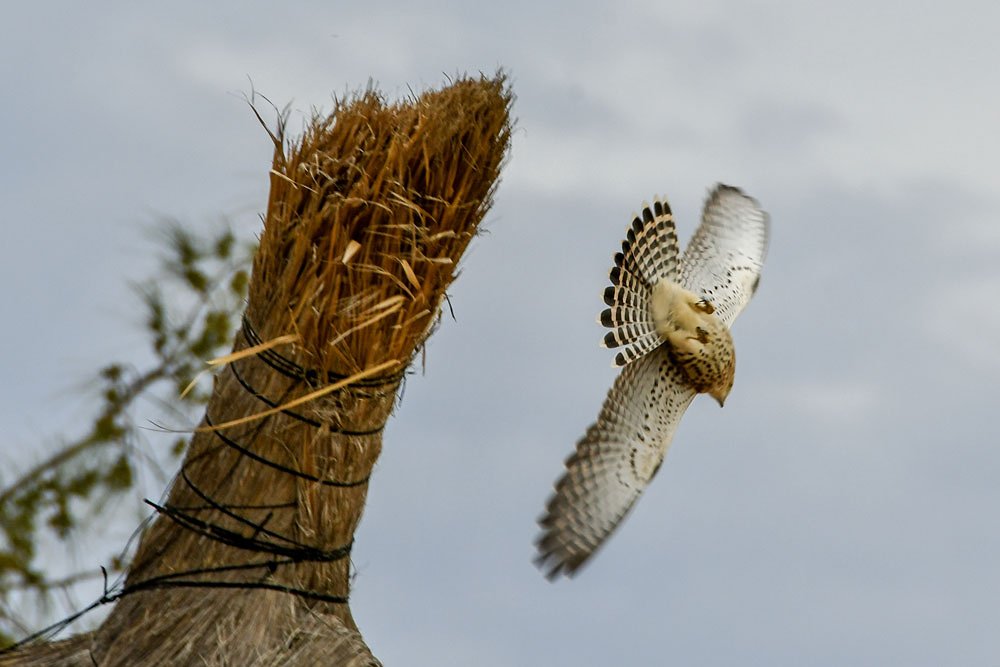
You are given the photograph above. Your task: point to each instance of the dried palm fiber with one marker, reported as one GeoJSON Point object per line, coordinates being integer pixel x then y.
{"type": "Point", "coordinates": [248, 562]}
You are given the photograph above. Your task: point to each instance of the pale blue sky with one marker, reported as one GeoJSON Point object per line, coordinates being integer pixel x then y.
{"type": "Point", "coordinates": [839, 511]}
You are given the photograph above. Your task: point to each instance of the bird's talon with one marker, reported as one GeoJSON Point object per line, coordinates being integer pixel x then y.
{"type": "Point", "coordinates": [705, 306]}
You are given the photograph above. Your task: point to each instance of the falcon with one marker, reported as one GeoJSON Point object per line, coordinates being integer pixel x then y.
{"type": "Point", "coordinates": [669, 316]}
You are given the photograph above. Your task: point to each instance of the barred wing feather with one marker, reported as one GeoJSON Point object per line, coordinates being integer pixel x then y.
{"type": "Point", "coordinates": [613, 463]}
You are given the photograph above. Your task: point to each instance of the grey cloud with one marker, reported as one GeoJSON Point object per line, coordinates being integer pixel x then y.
{"type": "Point", "coordinates": [786, 127]}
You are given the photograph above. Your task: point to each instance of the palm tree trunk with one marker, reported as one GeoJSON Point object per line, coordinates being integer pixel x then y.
{"type": "Point", "coordinates": [248, 559]}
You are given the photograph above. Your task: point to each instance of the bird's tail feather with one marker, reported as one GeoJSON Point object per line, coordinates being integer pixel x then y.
{"type": "Point", "coordinates": [649, 254]}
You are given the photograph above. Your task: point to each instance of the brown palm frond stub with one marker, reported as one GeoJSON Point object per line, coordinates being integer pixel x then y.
{"type": "Point", "coordinates": [368, 219]}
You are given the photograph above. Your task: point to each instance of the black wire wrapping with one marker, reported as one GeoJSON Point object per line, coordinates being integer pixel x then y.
{"type": "Point", "coordinates": [302, 418]}
{"type": "Point", "coordinates": [285, 469]}
{"type": "Point", "coordinates": [172, 580]}
{"type": "Point", "coordinates": [284, 550]}
{"type": "Point", "coordinates": [310, 376]}
{"type": "Point", "coordinates": [298, 553]}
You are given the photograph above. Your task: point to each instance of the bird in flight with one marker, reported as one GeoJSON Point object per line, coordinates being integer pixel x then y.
{"type": "Point", "coordinates": [669, 316]}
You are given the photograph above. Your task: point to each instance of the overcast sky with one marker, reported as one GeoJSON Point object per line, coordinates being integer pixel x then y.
{"type": "Point", "coordinates": [841, 509]}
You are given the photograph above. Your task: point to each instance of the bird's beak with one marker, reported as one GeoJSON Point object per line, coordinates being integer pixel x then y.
{"type": "Point", "coordinates": [720, 397]}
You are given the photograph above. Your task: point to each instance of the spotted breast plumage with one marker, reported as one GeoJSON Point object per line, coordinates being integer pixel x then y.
{"type": "Point", "coordinates": [669, 316]}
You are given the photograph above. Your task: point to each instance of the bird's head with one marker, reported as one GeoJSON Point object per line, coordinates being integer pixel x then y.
{"type": "Point", "coordinates": [726, 360]}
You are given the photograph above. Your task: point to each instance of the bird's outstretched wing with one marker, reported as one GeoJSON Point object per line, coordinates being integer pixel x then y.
{"type": "Point", "coordinates": [613, 463]}
{"type": "Point", "coordinates": [723, 260]}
